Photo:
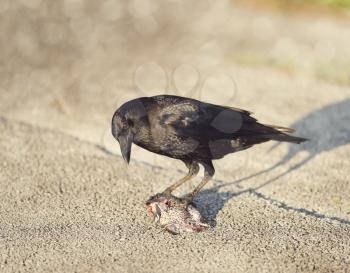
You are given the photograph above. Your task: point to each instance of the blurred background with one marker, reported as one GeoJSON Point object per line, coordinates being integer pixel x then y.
{"type": "Point", "coordinates": [67, 65]}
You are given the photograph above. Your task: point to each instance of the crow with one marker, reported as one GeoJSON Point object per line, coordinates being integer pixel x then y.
{"type": "Point", "coordinates": [192, 131]}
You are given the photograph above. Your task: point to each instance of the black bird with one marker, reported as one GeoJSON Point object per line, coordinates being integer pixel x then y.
{"type": "Point", "coordinates": [192, 131]}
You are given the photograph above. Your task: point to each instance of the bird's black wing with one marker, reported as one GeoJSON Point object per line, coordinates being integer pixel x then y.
{"type": "Point", "coordinates": [203, 121]}
{"type": "Point", "coordinates": [191, 125]}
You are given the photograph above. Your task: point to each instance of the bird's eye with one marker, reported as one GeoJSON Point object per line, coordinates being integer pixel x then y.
{"type": "Point", "coordinates": [126, 123]}
{"type": "Point", "coordinates": [130, 122]}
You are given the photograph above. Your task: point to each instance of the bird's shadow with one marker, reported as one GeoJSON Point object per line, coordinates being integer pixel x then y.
{"type": "Point", "coordinates": [327, 128]}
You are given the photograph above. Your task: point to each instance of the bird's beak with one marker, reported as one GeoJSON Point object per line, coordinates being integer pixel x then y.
{"type": "Point", "coordinates": [125, 142]}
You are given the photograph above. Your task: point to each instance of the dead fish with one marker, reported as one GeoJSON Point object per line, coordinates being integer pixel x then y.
{"type": "Point", "coordinates": [174, 214]}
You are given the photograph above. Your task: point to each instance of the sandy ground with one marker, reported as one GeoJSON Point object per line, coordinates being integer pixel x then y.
{"type": "Point", "coordinates": [69, 204]}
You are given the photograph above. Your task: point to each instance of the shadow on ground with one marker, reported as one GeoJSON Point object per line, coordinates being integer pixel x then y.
{"type": "Point", "coordinates": [327, 128]}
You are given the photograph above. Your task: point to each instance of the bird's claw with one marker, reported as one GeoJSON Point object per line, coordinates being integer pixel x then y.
{"type": "Point", "coordinates": [166, 192]}
{"type": "Point", "coordinates": [187, 200]}
{"type": "Point", "coordinates": [152, 199]}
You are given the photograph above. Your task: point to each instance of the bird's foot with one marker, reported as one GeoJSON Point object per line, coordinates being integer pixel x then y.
{"type": "Point", "coordinates": [175, 214]}
{"type": "Point", "coordinates": [161, 196]}
{"type": "Point", "coordinates": [188, 199]}
{"type": "Point", "coordinates": [167, 192]}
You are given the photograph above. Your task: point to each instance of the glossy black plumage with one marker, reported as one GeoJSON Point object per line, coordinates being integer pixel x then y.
{"type": "Point", "coordinates": [190, 130]}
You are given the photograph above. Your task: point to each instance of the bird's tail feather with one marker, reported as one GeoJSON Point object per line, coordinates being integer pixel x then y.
{"type": "Point", "coordinates": [287, 138]}
{"type": "Point", "coordinates": [280, 133]}
{"type": "Point", "coordinates": [280, 128]}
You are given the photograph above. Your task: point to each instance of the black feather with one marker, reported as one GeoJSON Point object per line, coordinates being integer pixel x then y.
{"type": "Point", "coordinates": [192, 130]}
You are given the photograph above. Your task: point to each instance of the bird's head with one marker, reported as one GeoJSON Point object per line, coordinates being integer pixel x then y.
{"type": "Point", "coordinates": [125, 125]}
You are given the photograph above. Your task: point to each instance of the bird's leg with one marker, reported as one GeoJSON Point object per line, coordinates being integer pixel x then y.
{"type": "Point", "coordinates": [208, 174]}
{"type": "Point", "coordinates": [193, 169]}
